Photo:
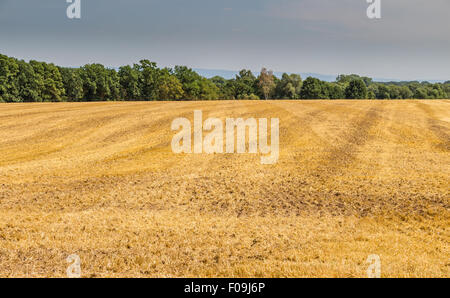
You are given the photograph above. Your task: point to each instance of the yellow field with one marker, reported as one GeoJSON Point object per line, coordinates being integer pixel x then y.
{"type": "Point", "coordinates": [354, 178]}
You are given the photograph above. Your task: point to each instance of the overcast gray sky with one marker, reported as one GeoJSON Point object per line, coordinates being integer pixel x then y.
{"type": "Point", "coordinates": [411, 41]}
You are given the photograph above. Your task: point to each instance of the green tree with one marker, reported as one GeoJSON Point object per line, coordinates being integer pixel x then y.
{"type": "Point", "coordinates": [73, 84]}
{"type": "Point", "coordinates": [149, 80]}
{"type": "Point", "coordinates": [406, 93]}
{"type": "Point", "coordinates": [28, 83]}
{"type": "Point", "coordinates": [99, 83]}
{"type": "Point", "coordinates": [266, 82]}
{"type": "Point", "coordinates": [245, 84]}
{"type": "Point", "coordinates": [289, 86]}
{"type": "Point", "coordinates": [356, 89]}
{"type": "Point", "coordinates": [383, 92]}
{"type": "Point", "coordinates": [190, 80]}
{"type": "Point", "coordinates": [437, 91]}
{"type": "Point", "coordinates": [40, 81]}
{"type": "Point", "coordinates": [446, 88]}
{"type": "Point", "coordinates": [9, 89]}
{"type": "Point", "coordinates": [335, 90]}
{"type": "Point", "coordinates": [229, 90]}
{"type": "Point", "coordinates": [130, 78]}
{"type": "Point", "coordinates": [421, 93]}
{"type": "Point", "coordinates": [346, 79]}
{"type": "Point", "coordinates": [219, 81]}
{"type": "Point", "coordinates": [313, 88]}
{"type": "Point", "coordinates": [195, 86]}
{"type": "Point", "coordinates": [226, 87]}
{"type": "Point", "coordinates": [49, 80]}
{"type": "Point", "coordinates": [169, 87]}
{"type": "Point", "coordinates": [208, 90]}
{"type": "Point", "coordinates": [394, 92]}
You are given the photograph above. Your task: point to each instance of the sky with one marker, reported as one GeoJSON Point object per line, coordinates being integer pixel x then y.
{"type": "Point", "coordinates": [411, 41]}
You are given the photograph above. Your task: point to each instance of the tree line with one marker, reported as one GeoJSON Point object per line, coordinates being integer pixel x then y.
{"type": "Point", "coordinates": [34, 81]}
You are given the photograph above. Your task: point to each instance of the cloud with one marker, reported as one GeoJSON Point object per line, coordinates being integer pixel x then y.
{"type": "Point", "coordinates": [2, 5]}
{"type": "Point", "coordinates": [327, 36]}
{"type": "Point", "coordinates": [402, 20]}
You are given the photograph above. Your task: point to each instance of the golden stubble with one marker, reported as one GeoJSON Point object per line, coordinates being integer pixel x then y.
{"type": "Point", "coordinates": [354, 178]}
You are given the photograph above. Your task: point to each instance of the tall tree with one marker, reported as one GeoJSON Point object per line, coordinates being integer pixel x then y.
{"type": "Point", "coordinates": [289, 86]}
{"type": "Point", "coordinates": [169, 87]}
{"type": "Point", "coordinates": [190, 81]}
{"type": "Point", "coordinates": [129, 78]}
{"type": "Point", "coordinates": [9, 89]}
{"type": "Point", "coordinates": [346, 79]}
{"type": "Point", "coordinates": [383, 92]}
{"type": "Point", "coordinates": [99, 83]}
{"type": "Point", "coordinates": [40, 81]}
{"type": "Point", "coordinates": [49, 80]}
{"type": "Point", "coordinates": [73, 84]}
{"type": "Point", "coordinates": [356, 89]}
{"type": "Point", "coordinates": [313, 88]}
{"type": "Point", "coordinates": [148, 80]}
{"type": "Point", "coordinates": [406, 93]}
{"type": "Point", "coordinates": [245, 84]}
{"type": "Point", "coordinates": [334, 90]}
{"type": "Point", "coordinates": [28, 83]}
{"type": "Point", "coordinates": [266, 82]}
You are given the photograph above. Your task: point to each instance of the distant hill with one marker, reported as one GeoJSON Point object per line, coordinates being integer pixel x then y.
{"type": "Point", "coordinates": [231, 74]}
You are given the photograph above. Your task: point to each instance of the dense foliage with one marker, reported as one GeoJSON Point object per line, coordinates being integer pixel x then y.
{"type": "Point", "coordinates": [34, 81]}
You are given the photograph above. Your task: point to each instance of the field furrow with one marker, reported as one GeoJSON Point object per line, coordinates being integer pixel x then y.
{"type": "Point", "coordinates": [100, 180]}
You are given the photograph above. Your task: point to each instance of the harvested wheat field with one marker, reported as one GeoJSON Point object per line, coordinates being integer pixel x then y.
{"type": "Point", "coordinates": [354, 178]}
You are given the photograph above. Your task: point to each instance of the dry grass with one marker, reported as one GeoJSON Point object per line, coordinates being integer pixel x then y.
{"type": "Point", "coordinates": [354, 178]}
